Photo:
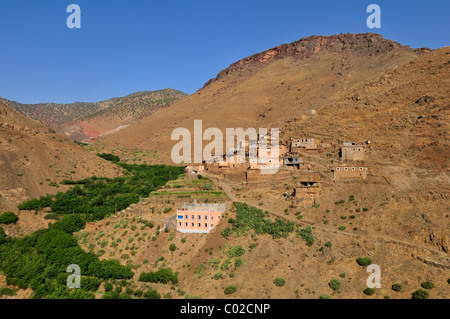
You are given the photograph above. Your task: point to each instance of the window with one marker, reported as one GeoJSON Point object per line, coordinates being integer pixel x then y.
{"type": "Point", "coordinates": [345, 168]}
{"type": "Point", "coordinates": [186, 216]}
{"type": "Point", "coordinates": [199, 217]}
{"type": "Point", "coordinates": [192, 224]}
{"type": "Point", "coordinates": [353, 168]}
{"type": "Point", "coordinates": [219, 217]}
{"type": "Point", "coordinates": [206, 224]}
{"type": "Point", "coordinates": [179, 224]}
{"type": "Point", "coordinates": [206, 217]}
{"type": "Point", "coordinates": [185, 224]}
{"type": "Point", "coordinates": [360, 168]}
{"type": "Point", "coordinates": [338, 168]}
{"type": "Point", "coordinates": [192, 216]}
{"type": "Point", "coordinates": [212, 225]}
{"type": "Point", "coordinates": [212, 217]}
{"type": "Point", "coordinates": [199, 225]}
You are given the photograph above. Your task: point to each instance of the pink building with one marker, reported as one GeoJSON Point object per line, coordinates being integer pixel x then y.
{"type": "Point", "coordinates": [198, 218]}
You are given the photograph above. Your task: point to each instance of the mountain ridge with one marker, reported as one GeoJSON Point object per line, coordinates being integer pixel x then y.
{"type": "Point", "coordinates": [83, 121]}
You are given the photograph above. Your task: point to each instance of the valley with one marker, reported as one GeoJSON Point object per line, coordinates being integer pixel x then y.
{"type": "Point", "coordinates": [362, 178]}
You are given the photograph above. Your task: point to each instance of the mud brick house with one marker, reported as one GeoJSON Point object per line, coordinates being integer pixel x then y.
{"type": "Point", "coordinates": [198, 218]}
{"type": "Point", "coordinates": [349, 173]}
{"type": "Point", "coordinates": [292, 162]}
{"type": "Point", "coordinates": [194, 169]}
{"type": "Point", "coordinates": [305, 144]}
{"type": "Point", "coordinates": [307, 189]}
{"type": "Point", "coordinates": [352, 151]}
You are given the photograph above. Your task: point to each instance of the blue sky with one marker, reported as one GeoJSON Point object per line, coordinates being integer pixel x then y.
{"type": "Point", "coordinates": [125, 46]}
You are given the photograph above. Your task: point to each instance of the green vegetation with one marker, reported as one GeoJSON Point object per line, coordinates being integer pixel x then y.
{"type": "Point", "coordinates": [218, 276]}
{"type": "Point", "coordinates": [172, 247]}
{"type": "Point", "coordinates": [307, 235]}
{"type": "Point", "coordinates": [99, 197]}
{"type": "Point", "coordinates": [8, 218]}
{"type": "Point", "coordinates": [235, 251]}
{"type": "Point", "coordinates": [279, 282]}
{"type": "Point", "coordinates": [364, 261]}
{"type": "Point", "coordinates": [427, 285]}
{"type": "Point", "coordinates": [335, 284]}
{"type": "Point", "coordinates": [369, 291]}
{"type": "Point", "coordinates": [324, 297]}
{"type": "Point", "coordinates": [420, 294]}
{"type": "Point", "coordinates": [163, 275]}
{"type": "Point", "coordinates": [230, 289]}
{"type": "Point", "coordinates": [109, 157]}
{"type": "Point", "coordinates": [396, 287]}
{"type": "Point", "coordinates": [52, 216]}
{"type": "Point", "coordinates": [40, 261]}
{"type": "Point", "coordinates": [248, 218]}
{"type": "Point", "coordinates": [5, 291]}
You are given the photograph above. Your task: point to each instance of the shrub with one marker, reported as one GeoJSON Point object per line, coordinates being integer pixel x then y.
{"type": "Point", "coordinates": [230, 289]}
{"type": "Point", "coordinates": [328, 244]}
{"type": "Point", "coordinates": [151, 294]}
{"type": "Point", "coordinates": [335, 284]}
{"type": "Point", "coordinates": [218, 276]}
{"type": "Point", "coordinates": [341, 227]}
{"type": "Point", "coordinates": [307, 235]}
{"type": "Point", "coordinates": [226, 232]}
{"type": "Point", "coordinates": [8, 218]}
{"type": "Point", "coordinates": [52, 216]}
{"type": "Point", "coordinates": [238, 262]}
{"type": "Point", "coordinates": [172, 247]}
{"type": "Point", "coordinates": [364, 261]}
{"type": "Point", "coordinates": [108, 286]}
{"type": "Point", "coordinates": [420, 294]}
{"type": "Point", "coordinates": [163, 275]}
{"type": "Point", "coordinates": [5, 291]}
{"type": "Point", "coordinates": [396, 287]}
{"type": "Point", "coordinates": [427, 285]}
{"type": "Point", "coordinates": [279, 282]}
{"type": "Point", "coordinates": [324, 297]}
{"type": "Point", "coordinates": [235, 251]}
{"type": "Point", "coordinates": [369, 291]}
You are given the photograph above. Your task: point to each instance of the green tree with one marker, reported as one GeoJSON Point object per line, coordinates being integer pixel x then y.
{"type": "Point", "coordinates": [420, 294]}
{"type": "Point", "coordinates": [335, 284]}
{"type": "Point", "coordinates": [8, 218]}
{"type": "Point", "coordinates": [230, 289]}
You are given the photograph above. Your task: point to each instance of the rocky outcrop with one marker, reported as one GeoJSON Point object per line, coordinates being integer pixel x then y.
{"type": "Point", "coordinates": [363, 43]}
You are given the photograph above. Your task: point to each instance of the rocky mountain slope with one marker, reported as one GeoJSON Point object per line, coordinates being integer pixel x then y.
{"type": "Point", "coordinates": [270, 88]}
{"type": "Point", "coordinates": [33, 159]}
{"type": "Point", "coordinates": [83, 121]}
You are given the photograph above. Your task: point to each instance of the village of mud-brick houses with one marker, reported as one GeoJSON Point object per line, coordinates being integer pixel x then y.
{"type": "Point", "coordinates": [275, 164]}
{"type": "Point", "coordinates": [271, 165]}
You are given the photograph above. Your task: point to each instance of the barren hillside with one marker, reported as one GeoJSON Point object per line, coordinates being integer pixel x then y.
{"type": "Point", "coordinates": [268, 89]}
{"type": "Point", "coordinates": [33, 158]}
